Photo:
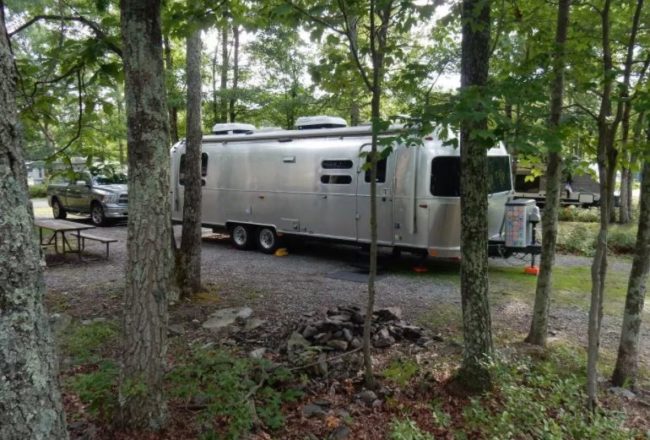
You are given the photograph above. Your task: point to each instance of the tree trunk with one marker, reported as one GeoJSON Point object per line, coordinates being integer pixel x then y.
{"type": "Point", "coordinates": [30, 403]}
{"type": "Point", "coordinates": [173, 109]}
{"type": "Point", "coordinates": [628, 350]}
{"type": "Point", "coordinates": [235, 72]}
{"type": "Point", "coordinates": [215, 94]}
{"type": "Point", "coordinates": [189, 255]}
{"type": "Point", "coordinates": [355, 116]}
{"type": "Point", "coordinates": [539, 325]}
{"type": "Point", "coordinates": [223, 88]}
{"type": "Point", "coordinates": [607, 155]}
{"type": "Point", "coordinates": [150, 263]}
{"type": "Point", "coordinates": [624, 208]}
{"type": "Point", "coordinates": [477, 329]}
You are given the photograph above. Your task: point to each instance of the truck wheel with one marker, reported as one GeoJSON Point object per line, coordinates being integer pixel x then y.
{"type": "Point", "coordinates": [97, 215]}
{"type": "Point", "coordinates": [267, 240]}
{"type": "Point", "coordinates": [241, 236]}
{"type": "Point", "coordinates": [58, 211]}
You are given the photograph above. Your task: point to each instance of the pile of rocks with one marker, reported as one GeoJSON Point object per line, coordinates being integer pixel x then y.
{"type": "Point", "coordinates": [342, 329]}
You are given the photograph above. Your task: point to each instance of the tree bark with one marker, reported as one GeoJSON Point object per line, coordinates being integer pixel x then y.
{"type": "Point", "coordinates": [607, 155]}
{"type": "Point", "coordinates": [539, 325]}
{"type": "Point", "coordinates": [378, 37]}
{"type": "Point", "coordinates": [355, 114]}
{"type": "Point", "coordinates": [173, 109]}
{"type": "Point", "coordinates": [477, 329]}
{"type": "Point", "coordinates": [215, 94]}
{"type": "Point", "coordinates": [223, 88]}
{"type": "Point", "coordinates": [625, 371]}
{"type": "Point", "coordinates": [30, 403]}
{"type": "Point", "coordinates": [235, 72]}
{"type": "Point", "coordinates": [189, 255]}
{"type": "Point", "coordinates": [150, 263]}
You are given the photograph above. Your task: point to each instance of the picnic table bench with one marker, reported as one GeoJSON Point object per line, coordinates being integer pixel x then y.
{"type": "Point", "coordinates": [60, 227]}
{"type": "Point", "coordinates": [86, 236]}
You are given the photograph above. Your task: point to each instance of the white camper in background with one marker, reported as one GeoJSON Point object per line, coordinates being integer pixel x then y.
{"type": "Point", "coordinates": [311, 182]}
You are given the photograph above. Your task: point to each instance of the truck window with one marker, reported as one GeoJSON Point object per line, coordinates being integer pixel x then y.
{"type": "Point", "coordinates": [181, 168]}
{"type": "Point", "coordinates": [336, 164]}
{"type": "Point", "coordinates": [381, 170]}
{"type": "Point", "coordinates": [445, 176]}
{"type": "Point", "coordinates": [499, 174]}
{"type": "Point", "coordinates": [335, 179]}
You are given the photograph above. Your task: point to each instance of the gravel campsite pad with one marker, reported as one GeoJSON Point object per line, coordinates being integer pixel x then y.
{"type": "Point", "coordinates": [317, 276]}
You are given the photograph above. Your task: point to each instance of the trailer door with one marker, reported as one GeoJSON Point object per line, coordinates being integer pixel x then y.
{"type": "Point", "coordinates": [384, 201]}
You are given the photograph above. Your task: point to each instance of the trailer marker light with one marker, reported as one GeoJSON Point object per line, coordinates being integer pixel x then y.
{"type": "Point", "coordinates": [420, 269]}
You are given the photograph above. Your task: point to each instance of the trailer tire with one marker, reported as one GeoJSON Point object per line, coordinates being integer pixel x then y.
{"type": "Point", "coordinates": [267, 240]}
{"type": "Point", "coordinates": [241, 236]}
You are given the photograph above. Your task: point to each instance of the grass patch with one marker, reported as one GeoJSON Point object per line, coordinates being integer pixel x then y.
{"type": "Point", "coordinates": [226, 386]}
{"type": "Point", "coordinates": [443, 316]}
{"type": "Point", "coordinates": [400, 371]}
{"type": "Point", "coordinates": [541, 399]}
{"type": "Point", "coordinates": [97, 389]}
{"type": "Point", "coordinates": [579, 238]}
{"type": "Point", "coordinates": [407, 429]}
{"type": "Point", "coordinates": [571, 287]}
{"type": "Point", "coordinates": [86, 342]}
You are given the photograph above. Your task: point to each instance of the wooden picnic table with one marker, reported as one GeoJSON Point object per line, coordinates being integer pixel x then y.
{"type": "Point", "coordinates": [60, 227]}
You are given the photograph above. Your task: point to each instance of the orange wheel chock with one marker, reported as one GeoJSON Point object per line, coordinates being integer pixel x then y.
{"type": "Point", "coordinates": [532, 270]}
{"type": "Point", "coordinates": [281, 252]}
{"type": "Point", "coordinates": [420, 269]}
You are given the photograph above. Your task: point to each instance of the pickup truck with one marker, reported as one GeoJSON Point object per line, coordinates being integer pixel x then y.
{"type": "Point", "coordinates": [102, 197]}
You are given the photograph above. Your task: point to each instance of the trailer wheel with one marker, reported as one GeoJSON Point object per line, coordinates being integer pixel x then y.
{"type": "Point", "coordinates": [241, 236]}
{"type": "Point", "coordinates": [267, 240]}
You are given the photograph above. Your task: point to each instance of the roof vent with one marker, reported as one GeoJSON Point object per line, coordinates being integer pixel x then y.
{"type": "Point", "coordinates": [313, 122]}
{"type": "Point", "coordinates": [233, 128]}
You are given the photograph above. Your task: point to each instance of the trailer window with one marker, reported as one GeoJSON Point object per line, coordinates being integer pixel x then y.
{"type": "Point", "coordinates": [181, 168]}
{"type": "Point", "coordinates": [524, 185]}
{"type": "Point", "coordinates": [381, 170]}
{"type": "Point", "coordinates": [445, 176]}
{"type": "Point", "coordinates": [499, 174]}
{"type": "Point", "coordinates": [335, 179]}
{"type": "Point", "coordinates": [336, 164]}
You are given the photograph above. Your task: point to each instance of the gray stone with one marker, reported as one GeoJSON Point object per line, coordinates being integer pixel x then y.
{"type": "Point", "coordinates": [59, 322]}
{"type": "Point", "coordinates": [344, 317]}
{"type": "Point", "coordinates": [340, 433]}
{"type": "Point", "coordinates": [383, 339]}
{"type": "Point", "coordinates": [322, 338]}
{"type": "Point", "coordinates": [347, 335]}
{"type": "Point", "coordinates": [297, 341]}
{"type": "Point", "coordinates": [338, 344]}
{"type": "Point", "coordinates": [258, 353]}
{"type": "Point", "coordinates": [322, 403]}
{"type": "Point", "coordinates": [389, 314]}
{"type": "Point", "coordinates": [622, 392]}
{"type": "Point", "coordinates": [225, 317]}
{"type": "Point", "coordinates": [312, 410]}
{"type": "Point", "coordinates": [176, 330]}
{"type": "Point", "coordinates": [309, 331]}
{"type": "Point", "coordinates": [377, 403]}
{"type": "Point", "coordinates": [254, 323]}
{"type": "Point", "coordinates": [411, 332]}
{"type": "Point", "coordinates": [356, 343]}
{"type": "Point", "coordinates": [367, 397]}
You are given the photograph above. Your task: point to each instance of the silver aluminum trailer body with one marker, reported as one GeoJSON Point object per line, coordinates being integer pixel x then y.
{"type": "Point", "coordinates": [312, 183]}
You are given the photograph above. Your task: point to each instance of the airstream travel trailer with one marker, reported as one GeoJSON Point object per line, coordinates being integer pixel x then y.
{"type": "Point", "coordinates": [311, 182]}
